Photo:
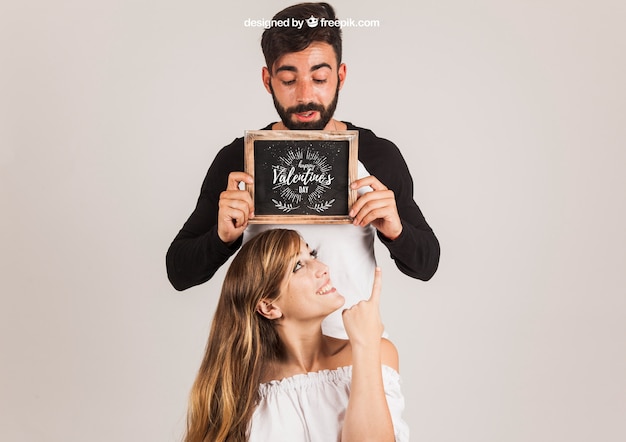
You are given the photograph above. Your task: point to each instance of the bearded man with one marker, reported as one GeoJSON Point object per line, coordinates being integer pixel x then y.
{"type": "Point", "coordinates": [304, 74]}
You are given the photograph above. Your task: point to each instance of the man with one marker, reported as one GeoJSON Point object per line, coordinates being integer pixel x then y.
{"type": "Point", "coordinates": [304, 74]}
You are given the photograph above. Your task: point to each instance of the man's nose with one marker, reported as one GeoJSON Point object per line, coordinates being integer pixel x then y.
{"type": "Point", "coordinates": [304, 92]}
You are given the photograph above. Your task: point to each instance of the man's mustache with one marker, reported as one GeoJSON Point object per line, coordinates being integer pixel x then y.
{"type": "Point", "coordinates": [305, 107]}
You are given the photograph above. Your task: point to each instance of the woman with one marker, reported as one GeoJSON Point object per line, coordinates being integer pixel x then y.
{"type": "Point", "coordinates": [269, 374]}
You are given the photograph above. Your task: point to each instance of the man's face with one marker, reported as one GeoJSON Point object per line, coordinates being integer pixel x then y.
{"type": "Point", "coordinates": [305, 86]}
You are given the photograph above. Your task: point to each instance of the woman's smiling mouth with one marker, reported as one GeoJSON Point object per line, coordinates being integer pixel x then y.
{"type": "Point", "coordinates": [326, 289]}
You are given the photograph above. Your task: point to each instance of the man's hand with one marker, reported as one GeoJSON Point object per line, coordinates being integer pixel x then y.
{"type": "Point", "coordinates": [377, 207]}
{"type": "Point", "coordinates": [235, 208]}
{"type": "Point", "coordinates": [362, 321]}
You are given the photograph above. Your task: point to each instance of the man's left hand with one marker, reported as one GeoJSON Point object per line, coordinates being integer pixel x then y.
{"type": "Point", "coordinates": [377, 208]}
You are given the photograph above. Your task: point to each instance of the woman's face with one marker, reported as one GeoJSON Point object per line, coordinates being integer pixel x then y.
{"type": "Point", "coordinates": [309, 292]}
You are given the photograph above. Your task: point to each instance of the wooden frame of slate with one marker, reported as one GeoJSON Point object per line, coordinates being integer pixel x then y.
{"type": "Point", "coordinates": [301, 176]}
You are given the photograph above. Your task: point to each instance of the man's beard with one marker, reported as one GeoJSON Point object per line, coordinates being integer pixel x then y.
{"type": "Point", "coordinates": [326, 113]}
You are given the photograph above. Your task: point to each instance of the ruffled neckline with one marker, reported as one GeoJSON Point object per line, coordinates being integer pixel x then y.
{"type": "Point", "coordinates": [340, 375]}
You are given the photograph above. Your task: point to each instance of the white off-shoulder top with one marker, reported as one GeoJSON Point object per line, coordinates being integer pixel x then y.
{"type": "Point", "coordinates": [311, 407]}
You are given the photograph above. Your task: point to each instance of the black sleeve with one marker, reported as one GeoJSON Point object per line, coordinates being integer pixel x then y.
{"type": "Point", "coordinates": [416, 251]}
{"type": "Point", "coordinates": [197, 252]}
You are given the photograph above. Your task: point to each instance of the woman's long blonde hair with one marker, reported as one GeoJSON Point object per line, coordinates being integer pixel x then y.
{"type": "Point", "coordinates": [225, 392]}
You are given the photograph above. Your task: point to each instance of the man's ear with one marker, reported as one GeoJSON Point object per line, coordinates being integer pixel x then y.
{"type": "Point", "coordinates": [341, 74]}
{"type": "Point", "coordinates": [265, 73]}
{"type": "Point", "coordinates": [268, 310]}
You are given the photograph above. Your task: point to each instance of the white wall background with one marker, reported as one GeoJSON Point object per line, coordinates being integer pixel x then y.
{"type": "Point", "coordinates": [511, 115]}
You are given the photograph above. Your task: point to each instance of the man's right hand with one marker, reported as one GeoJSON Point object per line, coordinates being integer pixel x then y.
{"type": "Point", "coordinates": [235, 208]}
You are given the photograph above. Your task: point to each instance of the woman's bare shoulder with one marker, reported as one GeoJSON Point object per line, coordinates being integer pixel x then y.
{"type": "Point", "coordinates": [389, 354]}
{"type": "Point", "coordinates": [342, 352]}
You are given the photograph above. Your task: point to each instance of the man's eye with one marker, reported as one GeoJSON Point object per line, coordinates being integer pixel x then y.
{"type": "Point", "coordinates": [288, 82]}
{"type": "Point", "coordinates": [320, 81]}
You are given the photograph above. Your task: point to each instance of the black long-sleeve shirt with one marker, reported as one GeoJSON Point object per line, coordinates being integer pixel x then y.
{"type": "Point", "coordinates": [197, 251]}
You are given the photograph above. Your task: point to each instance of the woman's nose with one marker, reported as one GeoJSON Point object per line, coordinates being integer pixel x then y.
{"type": "Point", "coordinates": [322, 268]}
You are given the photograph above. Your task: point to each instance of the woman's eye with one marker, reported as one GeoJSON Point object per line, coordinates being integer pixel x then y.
{"type": "Point", "coordinates": [314, 254]}
{"type": "Point", "coordinates": [297, 267]}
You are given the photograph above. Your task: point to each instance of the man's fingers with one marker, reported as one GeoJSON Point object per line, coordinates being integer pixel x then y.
{"type": "Point", "coordinates": [237, 217]}
{"type": "Point", "coordinates": [237, 199]}
{"type": "Point", "coordinates": [378, 193]}
{"type": "Point", "coordinates": [236, 206]}
{"type": "Point", "coordinates": [231, 222]}
{"type": "Point", "coordinates": [371, 202]}
{"type": "Point", "coordinates": [371, 181]}
{"type": "Point", "coordinates": [234, 178]}
{"type": "Point", "coordinates": [373, 215]}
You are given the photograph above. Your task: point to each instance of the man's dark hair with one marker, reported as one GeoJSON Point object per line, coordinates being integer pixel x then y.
{"type": "Point", "coordinates": [278, 40]}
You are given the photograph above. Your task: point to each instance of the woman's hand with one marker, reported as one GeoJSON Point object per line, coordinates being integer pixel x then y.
{"type": "Point", "coordinates": [362, 321]}
{"type": "Point", "coordinates": [367, 416]}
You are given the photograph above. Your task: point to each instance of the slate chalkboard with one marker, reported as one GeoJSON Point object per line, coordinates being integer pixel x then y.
{"type": "Point", "coordinates": [301, 176]}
